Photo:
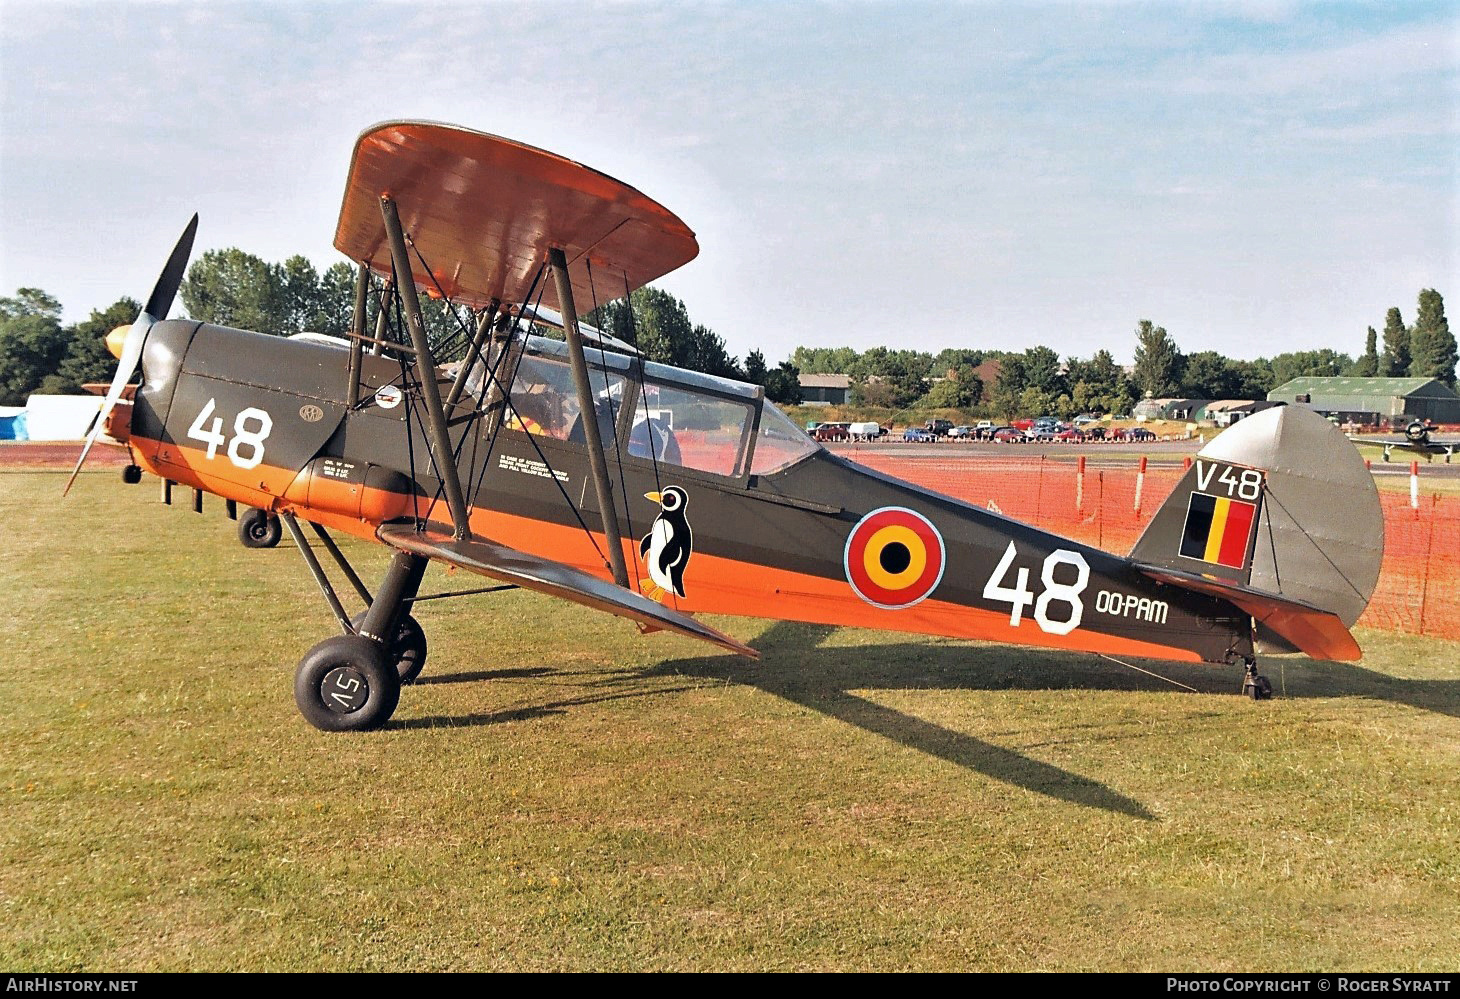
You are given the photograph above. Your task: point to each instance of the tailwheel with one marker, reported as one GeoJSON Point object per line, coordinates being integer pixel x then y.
{"type": "Point", "coordinates": [1256, 686]}
{"type": "Point", "coordinates": [407, 647]}
{"type": "Point", "coordinates": [346, 684]}
{"type": "Point", "coordinates": [259, 529]}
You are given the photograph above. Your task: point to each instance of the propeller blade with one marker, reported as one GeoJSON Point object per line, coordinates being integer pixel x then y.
{"type": "Point", "coordinates": [171, 278]}
{"type": "Point", "coordinates": [158, 304]}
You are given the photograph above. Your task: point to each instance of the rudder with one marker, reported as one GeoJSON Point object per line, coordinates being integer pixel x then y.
{"type": "Point", "coordinates": [1316, 534]}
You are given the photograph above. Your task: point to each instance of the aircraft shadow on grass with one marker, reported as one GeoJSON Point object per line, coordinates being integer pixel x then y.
{"type": "Point", "coordinates": [798, 668]}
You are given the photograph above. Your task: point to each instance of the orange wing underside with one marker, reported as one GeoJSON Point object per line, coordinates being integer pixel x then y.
{"type": "Point", "coordinates": [483, 211]}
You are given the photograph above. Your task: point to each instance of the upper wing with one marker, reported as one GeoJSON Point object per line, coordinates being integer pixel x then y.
{"type": "Point", "coordinates": [483, 212]}
{"type": "Point", "coordinates": [488, 558]}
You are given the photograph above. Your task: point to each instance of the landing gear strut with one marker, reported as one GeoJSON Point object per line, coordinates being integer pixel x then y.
{"type": "Point", "coordinates": [351, 682]}
{"type": "Point", "coordinates": [1254, 685]}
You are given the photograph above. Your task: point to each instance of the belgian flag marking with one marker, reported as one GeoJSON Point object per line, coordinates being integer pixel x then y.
{"type": "Point", "coordinates": [1218, 530]}
{"type": "Point", "coordinates": [894, 558]}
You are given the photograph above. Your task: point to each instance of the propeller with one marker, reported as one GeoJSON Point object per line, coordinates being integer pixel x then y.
{"type": "Point", "coordinates": [130, 355]}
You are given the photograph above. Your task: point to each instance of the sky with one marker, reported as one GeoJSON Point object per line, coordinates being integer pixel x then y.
{"type": "Point", "coordinates": [1256, 177]}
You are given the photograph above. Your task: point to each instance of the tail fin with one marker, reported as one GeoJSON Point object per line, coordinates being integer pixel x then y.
{"type": "Point", "coordinates": [1280, 505]}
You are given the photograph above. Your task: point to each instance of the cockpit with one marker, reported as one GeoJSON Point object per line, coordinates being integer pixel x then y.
{"type": "Point", "coordinates": [660, 413]}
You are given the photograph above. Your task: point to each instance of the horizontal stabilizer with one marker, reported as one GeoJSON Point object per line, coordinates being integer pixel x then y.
{"type": "Point", "coordinates": [1311, 630]}
{"type": "Point", "coordinates": [487, 558]}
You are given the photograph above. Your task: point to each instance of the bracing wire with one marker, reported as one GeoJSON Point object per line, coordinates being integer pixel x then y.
{"type": "Point", "coordinates": [643, 397]}
{"type": "Point", "coordinates": [1158, 676]}
{"type": "Point", "coordinates": [465, 334]}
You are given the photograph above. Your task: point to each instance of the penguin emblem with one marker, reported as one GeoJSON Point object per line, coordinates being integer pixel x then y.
{"type": "Point", "coordinates": [667, 547]}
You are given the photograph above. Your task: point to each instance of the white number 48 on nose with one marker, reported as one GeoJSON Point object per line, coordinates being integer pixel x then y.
{"type": "Point", "coordinates": [244, 437]}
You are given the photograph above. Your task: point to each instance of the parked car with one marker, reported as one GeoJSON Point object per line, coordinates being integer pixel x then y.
{"type": "Point", "coordinates": [1085, 418]}
{"type": "Point", "coordinates": [961, 434]}
{"type": "Point", "coordinates": [1139, 434]}
{"type": "Point", "coordinates": [832, 432]}
{"type": "Point", "coordinates": [865, 431]}
{"type": "Point", "coordinates": [1039, 435]}
{"type": "Point", "coordinates": [1070, 436]}
{"type": "Point", "coordinates": [1095, 433]}
{"type": "Point", "coordinates": [919, 434]}
{"type": "Point", "coordinates": [938, 427]}
{"type": "Point", "coordinates": [1008, 435]}
{"type": "Point", "coordinates": [985, 429]}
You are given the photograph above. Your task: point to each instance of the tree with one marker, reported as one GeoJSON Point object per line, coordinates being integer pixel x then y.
{"type": "Point", "coordinates": [86, 358]}
{"type": "Point", "coordinates": [1367, 366]}
{"type": "Point", "coordinates": [1009, 389]}
{"type": "Point", "coordinates": [1253, 379]}
{"type": "Point", "coordinates": [1208, 375]}
{"type": "Point", "coordinates": [824, 360]}
{"type": "Point", "coordinates": [783, 385]}
{"type": "Point", "coordinates": [755, 369]}
{"type": "Point", "coordinates": [334, 303]}
{"type": "Point", "coordinates": [1158, 361]}
{"type": "Point", "coordinates": [706, 352]}
{"type": "Point", "coordinates": [31, 343]}
{"type": "Point", "coordinates": [1098, 385]}
{"type": "Point", "coordinates": [954, 358]}
{"type": "Point", "coordinates": [960, 390]}
{"type": "Point", "coordinates": [1394, 362]}
{"type": "Point", "coordinates": [1300, 363]}
{"type": "Point", "coordinates": [659, 325]}
{"type": "Point", "coordinates": [1042, 371]}
{"type": "Point", "coordinates": [233, 288]}
{"type": "Point", "coordinates": [1431, 344]}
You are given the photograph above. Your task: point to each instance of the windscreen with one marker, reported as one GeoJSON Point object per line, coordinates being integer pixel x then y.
{"type": "Point", "coordinates": [691, 429]}
{"type": "Point", "coordinates": [780, 442]}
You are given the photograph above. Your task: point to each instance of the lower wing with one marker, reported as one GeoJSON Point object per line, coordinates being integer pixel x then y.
{"type": "Point", "coordinates": [487, 558]}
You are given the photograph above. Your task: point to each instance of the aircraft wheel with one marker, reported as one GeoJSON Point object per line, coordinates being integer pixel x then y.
{"type": "Point", "coordinates": [1259, 688]}
{"type": "Point", "coordinates": [408, 649]}
{"type": "Point", "coordinates": [259, 529]}
{"type": "Point", "coordinates": [346, 684]}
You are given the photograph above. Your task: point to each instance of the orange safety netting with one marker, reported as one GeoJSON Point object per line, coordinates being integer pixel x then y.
{"type": "Point", "coordinates": [1112, 502]}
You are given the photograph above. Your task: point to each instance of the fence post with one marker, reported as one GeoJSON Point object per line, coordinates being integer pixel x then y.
{"type": "Point", "coordinates": [1424, 588]}
{"type": "Point", "coordinates": [1039, 491]}
{"type": "Point", "coordinates": [1080, 485]}
{"type": "Point", "coordinates": [1414, 486]}
{"type": "Point", "coordinates": [1140, 485]}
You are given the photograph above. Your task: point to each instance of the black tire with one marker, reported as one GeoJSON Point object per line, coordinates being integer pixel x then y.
{"type": "Point", "coordinates": [1260, 688]}
{"type": "Point", "coordinates": [407, 650]}
{"type": "Point", "coordinates": [259, 529]}
{"type": "Point", "coordinates": [346, 684]}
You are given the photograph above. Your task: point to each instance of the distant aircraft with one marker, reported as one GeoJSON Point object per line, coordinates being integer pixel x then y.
{"type": "Point", "coordinates": [1416, 439]}
{"type": "Point", "coordinates": [579, 469]}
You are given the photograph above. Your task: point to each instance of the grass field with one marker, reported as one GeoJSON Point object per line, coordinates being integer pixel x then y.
{"type": "Point", "coordinates": [564, 794]}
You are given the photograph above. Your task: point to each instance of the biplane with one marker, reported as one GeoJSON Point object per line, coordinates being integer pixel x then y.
{"type": "Point", "coordinates": [572, 465]}
{"type": "Point", "coordinates": [1418, 439]}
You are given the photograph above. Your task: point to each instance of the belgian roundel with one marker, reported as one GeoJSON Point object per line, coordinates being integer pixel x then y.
{"type": "Point", "coordinates": [894, 558]}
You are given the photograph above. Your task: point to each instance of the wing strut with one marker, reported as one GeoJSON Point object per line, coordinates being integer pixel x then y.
{"type": "Point", "coordinates": [601, 485]}
{"type": "Point", "coordinates": [442, 455]}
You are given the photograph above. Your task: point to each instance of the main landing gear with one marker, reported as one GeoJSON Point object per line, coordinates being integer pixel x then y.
{"type": "Point", "coordinates": [1254, 685]}
{"type": "Point", "coordinates": [351, 682]}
